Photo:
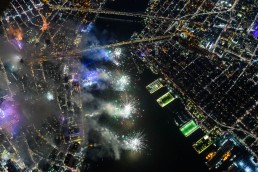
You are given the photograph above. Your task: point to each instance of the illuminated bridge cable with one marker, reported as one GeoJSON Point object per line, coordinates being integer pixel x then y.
{"type": "Point", "coordinates": [77, 53]}
{"type": "Point", "coordinates": [158, 38]}
{"type": "Point", "coordinates": [109, 12]}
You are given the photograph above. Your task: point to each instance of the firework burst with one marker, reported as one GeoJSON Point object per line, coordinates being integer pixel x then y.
{"type": "Point", "coordinates": [122, 83]}
{"type": "Point", "coordinates": [135, 142]}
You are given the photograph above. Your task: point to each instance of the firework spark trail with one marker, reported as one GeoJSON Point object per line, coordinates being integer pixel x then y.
{"type": "Point", "coordinates": [120, 107]}
{"type": "Point", "coordinates": [135, 142]}
{"type": "Point", "coordinates": [121, 83]}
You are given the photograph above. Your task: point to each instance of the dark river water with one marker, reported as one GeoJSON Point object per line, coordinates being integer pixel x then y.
{"type": "Point", "coordinates": [167, 149]}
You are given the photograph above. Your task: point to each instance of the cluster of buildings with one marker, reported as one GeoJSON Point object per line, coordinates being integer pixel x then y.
{"type": "Point", "coordinates": [54, 141]}
{"type": "Point", "coordinates": [209, 63]}
{"type": "Point", "coordinates": [211, 60]}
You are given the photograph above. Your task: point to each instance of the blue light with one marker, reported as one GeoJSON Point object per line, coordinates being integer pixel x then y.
{"type": "Point", "coordinates": [97, 55]}
{"type": "Point", "coordinates": [241, 164]}
{"type": "Point", "coordinates": [142, 54]}
{"type": "Point", "coordinates": [104, 54]}
{"type": "Point", "coordinates": [248, 169]}
{"type": "Point", "coordinates": [91, 75]}
{"type": "Point", "coordinates": [88, 28]}
{"type": "Point", "coordinates": [255, 33]}
{"type": "Point", "coordinates": [247, 165]}
{"type": "Point", "coordinates": [87, 64]}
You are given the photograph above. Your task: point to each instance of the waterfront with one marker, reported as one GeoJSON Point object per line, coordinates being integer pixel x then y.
{"type": "Point", "coordinates": [167, 147]}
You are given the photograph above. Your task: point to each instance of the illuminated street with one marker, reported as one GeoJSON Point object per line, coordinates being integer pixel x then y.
{"type": "Point", "coordinates": [88, 83]}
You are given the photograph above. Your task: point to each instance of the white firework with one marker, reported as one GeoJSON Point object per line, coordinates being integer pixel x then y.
{"type": "Point", "coordinates": [122, 83]}
{"type": "Point", "coordinates": [50, 96]}
{"type": "Point", "coordinates": [126, 111]}
{"type": "Point", "coordinates": [135, 143]}
{"type": "Point", "coordinates": [118, 52]}
{"type": "Point", "coordinates": [2, 114]}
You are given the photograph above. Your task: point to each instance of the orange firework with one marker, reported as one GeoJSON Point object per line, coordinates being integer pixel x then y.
{"type": "Point", "coordinates": [45, 24]}
{"type": "Point", "coordinates": [16, 33]}
{"type": "Point", "coordinates": [86, 4]}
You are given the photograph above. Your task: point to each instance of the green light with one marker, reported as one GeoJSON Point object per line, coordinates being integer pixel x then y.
{"type": "Point", "coordinates": [202, 144]}
{"type": "Point", "coordinates": [189, 128]}
{"type": "Point", "coordinates": [165, 99]}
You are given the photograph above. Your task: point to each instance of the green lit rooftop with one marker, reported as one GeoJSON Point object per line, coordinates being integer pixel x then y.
{"type": "Point", "coordinates": [165, 99]}
{"type": "Point", "coordinates": [189, 128]}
